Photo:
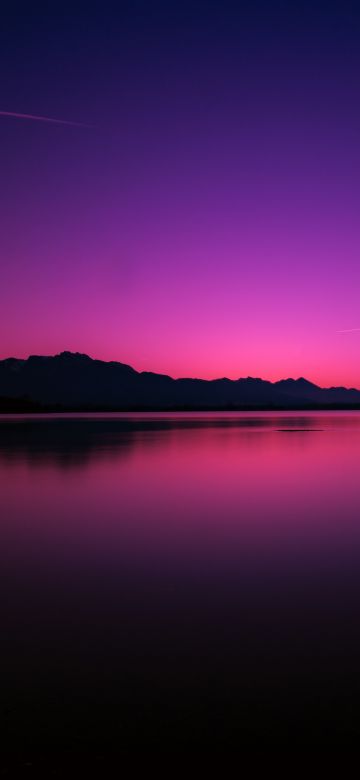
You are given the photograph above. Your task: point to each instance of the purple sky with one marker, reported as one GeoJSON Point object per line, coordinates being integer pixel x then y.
{"type": "Point", "coordinates": [205, 221]}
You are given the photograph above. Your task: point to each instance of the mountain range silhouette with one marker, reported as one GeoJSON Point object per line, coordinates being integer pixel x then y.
{"type": "Point", "coordinates": [76, 381]}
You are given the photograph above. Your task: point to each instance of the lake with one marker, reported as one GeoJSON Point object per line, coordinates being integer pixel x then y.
{"type": "Point", "coordinates": [178, 581]}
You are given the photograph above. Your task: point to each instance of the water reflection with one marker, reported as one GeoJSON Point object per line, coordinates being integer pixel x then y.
{"type": "Point", "coordinates": [73, 439]}
{"type": "Point", "coordinates": [179, 579]}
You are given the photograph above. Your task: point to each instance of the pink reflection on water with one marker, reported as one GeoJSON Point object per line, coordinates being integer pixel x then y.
{"type": "Point", "coordinates": [214, 488]}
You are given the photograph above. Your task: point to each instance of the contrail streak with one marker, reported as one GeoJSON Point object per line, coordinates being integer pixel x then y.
{"type": "Point", "coordinates": [49, 119]}
{"type": "Point", "coordinates": [349, 330]}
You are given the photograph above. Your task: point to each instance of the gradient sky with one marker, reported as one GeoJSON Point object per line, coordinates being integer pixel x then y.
{"type": "Point", "coordinates": [201, 218]}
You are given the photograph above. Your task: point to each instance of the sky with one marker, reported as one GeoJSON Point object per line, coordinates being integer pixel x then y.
{"type": "Point", "coordinates": [196, 210]}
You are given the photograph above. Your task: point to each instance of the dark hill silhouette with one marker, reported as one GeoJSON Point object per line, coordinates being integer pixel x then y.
{"type": "Point", "coordinates": [75, 381]}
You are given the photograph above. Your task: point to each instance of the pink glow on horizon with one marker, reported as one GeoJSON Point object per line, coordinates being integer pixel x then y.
{"type": "Point", "coordinates": [188, 293]}
{"type": "Point", "coordinates": [210, 321]}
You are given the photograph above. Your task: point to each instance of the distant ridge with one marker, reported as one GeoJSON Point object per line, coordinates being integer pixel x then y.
{"type": "Point", "coordinates": [76, 381]}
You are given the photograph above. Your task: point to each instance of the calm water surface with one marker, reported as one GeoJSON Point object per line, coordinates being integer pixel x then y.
{"type": "Point", "coordinates": [180, 581]}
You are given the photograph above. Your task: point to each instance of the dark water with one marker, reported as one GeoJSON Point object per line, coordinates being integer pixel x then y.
{"type": "Point", "coordinates": [178, 582]}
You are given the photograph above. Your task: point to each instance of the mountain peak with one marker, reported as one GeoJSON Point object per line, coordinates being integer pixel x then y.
{"type": "Point", "coordinates": [67, 355]}
{"type": "Point", "coordinates": [300, 381]}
